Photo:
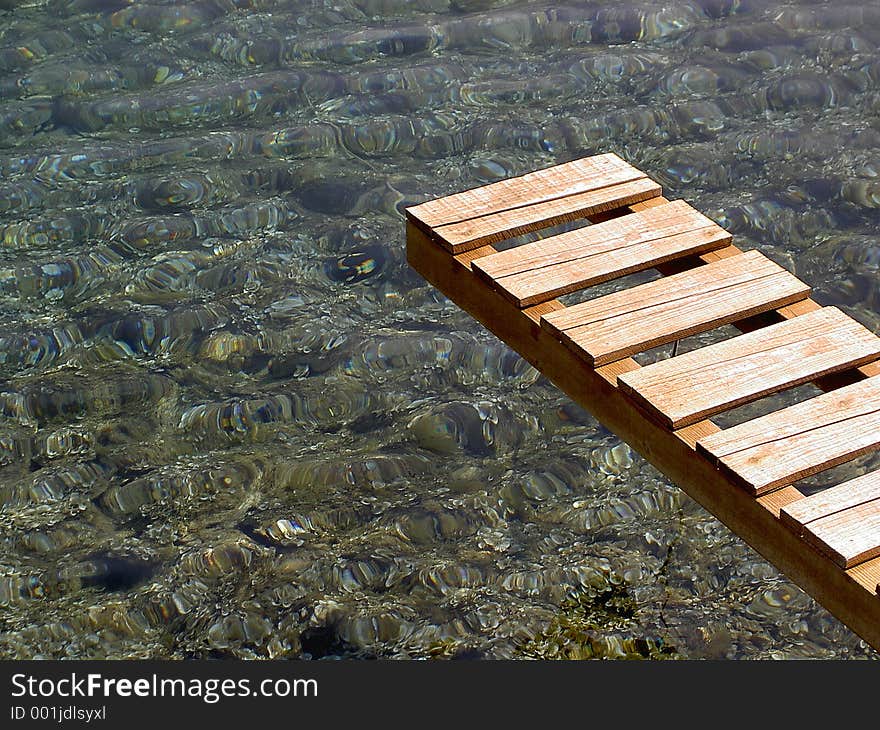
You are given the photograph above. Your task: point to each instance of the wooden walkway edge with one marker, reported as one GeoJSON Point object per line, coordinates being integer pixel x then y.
{"type": "Point", "coordinates": [803, 539]}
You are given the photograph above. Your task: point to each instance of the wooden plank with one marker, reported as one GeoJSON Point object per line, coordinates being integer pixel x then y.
{"type": "Point", "coordinates": [850, 594]}
{"type": "Point", "coordinates": [828, 408]}
{"type": "Point", "coordinates": [704, 382]}
{"type": "Point", "coordinates": [844, 496]}
{"type": "Point", "coordinates": [630, 321]}
{"type": "Point", "coordinates": [867, 575]}
{"type": "Point", "coordinates": [849, 537]}
{"type": "Point", "coordinates": [698, 280]}
{"type": "Point", "coordinates": [779, 498]}
{"type": "Point", "coordinates": [647, 204]}
{"type": "Point", "coordinates": [487, 229]}
{"type": "Point", "coordinates": [803, 439]}
{"type": "Point", "coordinates": [626, 230]}
{"type": "Point", "coordinates": [842, 521]}
{"type": "Point", "coordinates": [562, 264]}
{"type": "Point", "coordinates": [541, 186]}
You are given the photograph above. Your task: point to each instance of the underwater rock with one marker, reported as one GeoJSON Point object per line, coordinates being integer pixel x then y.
{"type": "Point", "coordinates": [75, 79]}
{"type": "Point", "coordinates": [169, 273]}
{"type": "Point", "coordinates": [429, 524]}
{"type": "Point", "coordinates": [154, 332]}
{"type": "Point", "coordinates": [481, 429]}
{"type": "Point", "coordinates": [298, 528]}
{"type": "Point", "coordinates": [808, 90]}
{"type": "Point", "coordinates": [864, 193]}
{"type": "Point", "coordinates": [446, 579]}
{"type": "Point", "coordinates": [63, 442]}
{"type": "Point", "coordinates": [182, 193]}
{"type": "Point", "coordinates": [699, 79]}
{"type": "Point", "coordinates": [24, 118]}
{"type": "Point", "coordinates": [370, 472]}
{"type": "Point", "coordinates": [56, 484]}
{"type": "Point", "coordinates": [165, 18]}
{"type": "Point", "coordinates": [27, 195]}
{"type": "Point", "coordinates": [59, 399]}
{"type": "Point", "coordinates": [255, 418]}
{"type": "Point", "coordinates": [151, 232]}
{"type": "Point", "coordinates": [312, 140]}
{"type": "Point", "coordinates": [556, 480]}
{"type": "Point", "coordinates": [453, 358]}
{"type": "Point", "coordinates": [107, 573]}
{"type": "Point", "coordinates": [311, 350]}
{"type": "Point", "coordinates": [24, 351]}
{"type": "Point", "coordinates": [776, 219]}
{"type": "Point", "coordinates": [826, 17]}
{"type": "Point", "coordinates": [745, 37]}
{"type": "Point", "coordinates": [67, 278]}
{"type": "Point", "coordinates": [697, 167]}
{"type": "Point", "coordinates": [189, 103]}
{"type": "Point", "coordinates": [33, 49]}
{"type": "Point", "coordinates": [64, 229]}
{"type": "Point", "coordinates": [182, 482]}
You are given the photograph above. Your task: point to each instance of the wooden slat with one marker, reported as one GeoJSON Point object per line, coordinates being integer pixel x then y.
{"type": "Point", "coordinates": [867, 575]}
{"type": "Point", "coordinates": [845, 496]}
{"type": "Point", "coordinates": [457, 237]}
{"type": "Point", "coordinates": [850, 537]}
{"type": "Point", "coordinates": [541, 186]}
{"type": "Point", "coordinates": [633, 320]}
{"type": "Point", "coordinates": [662, 220]}
{"type": "Point", "coordinates": [704, 382]}
{"type": "Point", "coordinates": [843, 521]}
{"type": "Point", "coordinates": [779, 498]}
{"type": "Point", "coordinates": [803, 439]}
{"type": "Point", "coordinates": [562, 264]}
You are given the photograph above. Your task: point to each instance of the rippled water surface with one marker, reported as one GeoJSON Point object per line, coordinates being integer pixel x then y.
{"type": "Point", "coordinates": [234, 423]}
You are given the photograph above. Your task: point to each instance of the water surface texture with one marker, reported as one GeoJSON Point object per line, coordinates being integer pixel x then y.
{"type": "Point", "coordinates": [234, 423]}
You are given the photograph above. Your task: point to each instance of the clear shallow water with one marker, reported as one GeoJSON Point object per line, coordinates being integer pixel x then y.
{"type": "Point", "coordinates": [233, 423]}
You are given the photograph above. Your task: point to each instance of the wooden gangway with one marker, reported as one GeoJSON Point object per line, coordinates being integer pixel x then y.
{"type": "Point", "coordinates": [747, 474]}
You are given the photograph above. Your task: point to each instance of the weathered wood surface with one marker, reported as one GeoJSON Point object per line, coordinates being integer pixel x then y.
{"type": "Point", "coordinates": [804, 439]}
{"type": "Point", "coordinates": [545, 269]}
{"type": "Point", "coordinates": [704, 382]}
{"type": "Point", "coordinates": [633, 320]}
{"type": "Point", "coordinates": [540, 199]}
{"type": "Point", "coordinates": [843, 521]}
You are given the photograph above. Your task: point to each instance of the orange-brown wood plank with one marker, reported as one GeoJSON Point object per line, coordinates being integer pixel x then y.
{"type": "Point", "coordinates": [803, 439]}
{"type": "Point", "coordinates": [843, 521]}
{"type": "Point", "coordinates": [844, 496]}
{"type": "Point", "coordinates": [548, 268]}
{"type": "Point", "coordinates": [704, 382]}
{"type": "Point", "coordinates": [541, 186]}
{"type": "Point", "coordinates": [474, 232]}
{"type": "Point", "coordinates": [866, 574]}
{"type": "Point", "coordinates": [850, 537]}
{"type": "Point", "coordinates": [621, 324]}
